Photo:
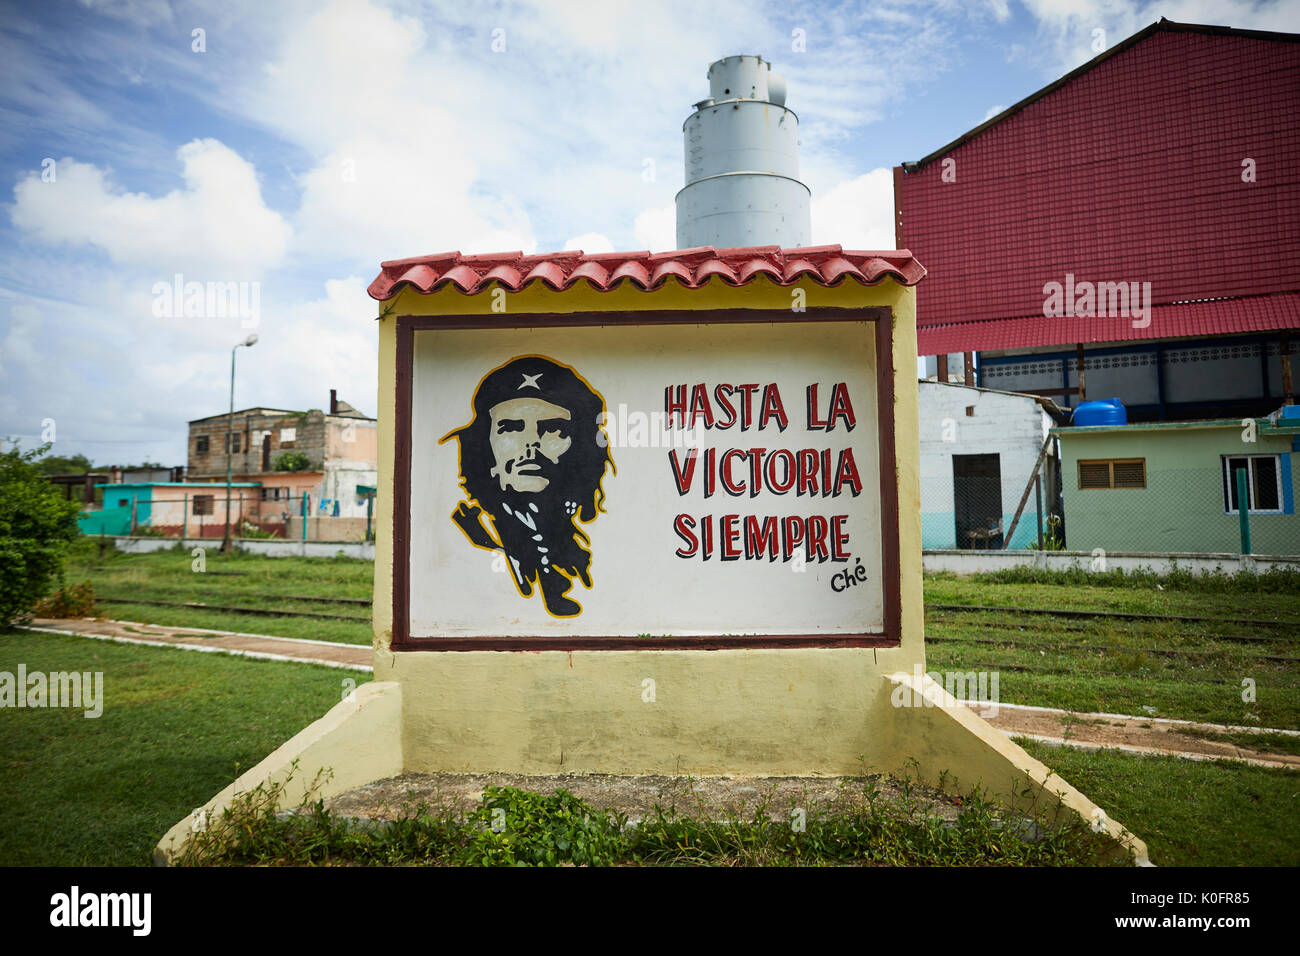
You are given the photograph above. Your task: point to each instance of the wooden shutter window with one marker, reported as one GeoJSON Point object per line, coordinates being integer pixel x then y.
{"type": "Point", "coordinates": [1094, 474]}
{"type": "Point", "coordinates": [1130, 474]}
{"type": "Point", "coordinates": [1113, 473]}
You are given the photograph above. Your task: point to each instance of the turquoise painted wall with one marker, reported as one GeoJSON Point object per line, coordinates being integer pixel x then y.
{"type": "Point", "coordinates": [117, 521]}
{"type": "Point", "coordinates": [939, 529]}
{"type": "Point", "coordinates": [115, 516]}
{"type": "Point", "coordinates": [1181, 509]}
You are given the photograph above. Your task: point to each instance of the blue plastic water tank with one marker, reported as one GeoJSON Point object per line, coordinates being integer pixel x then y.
{"type": "Point", "coordinates": [1108, 411]}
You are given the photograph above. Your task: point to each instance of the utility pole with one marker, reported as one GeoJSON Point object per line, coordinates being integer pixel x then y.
{"type": "Point", "coordinates": [230, 431]}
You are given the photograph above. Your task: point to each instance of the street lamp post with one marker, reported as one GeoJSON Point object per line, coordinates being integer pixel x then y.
{"type": "Point", "coordinates": [230, 431]}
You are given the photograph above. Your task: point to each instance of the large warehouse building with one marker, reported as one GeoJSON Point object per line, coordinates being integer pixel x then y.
{"type": "Point", "coordinates": [1131, 230]}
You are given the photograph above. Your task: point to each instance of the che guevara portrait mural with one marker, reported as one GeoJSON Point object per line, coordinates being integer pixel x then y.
{"type": "Point", "coordinates": [533, 459]}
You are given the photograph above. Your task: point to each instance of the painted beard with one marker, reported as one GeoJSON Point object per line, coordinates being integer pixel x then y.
{"type": "Point", "coordinates": [542, 545]}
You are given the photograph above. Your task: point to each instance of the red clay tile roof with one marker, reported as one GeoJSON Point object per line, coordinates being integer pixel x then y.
{"type": "Point", "coordinates": [1259, 313]}
{"type": "Point", "coordinates": [827, 265]}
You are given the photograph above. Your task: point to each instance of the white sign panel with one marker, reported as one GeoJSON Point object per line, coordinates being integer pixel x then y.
{"type": "Point", "coordinates": [647, 481]}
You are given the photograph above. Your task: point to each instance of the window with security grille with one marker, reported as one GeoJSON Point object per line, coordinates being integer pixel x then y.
{"type": "Point", "coordinates": [1263, 483]}
{"type": "Point", "coordinates": [203, 504]}
{"type": "Point", "coordinates": [201, 445]}
{"type": "Point", "coordinates": [1113, 473]}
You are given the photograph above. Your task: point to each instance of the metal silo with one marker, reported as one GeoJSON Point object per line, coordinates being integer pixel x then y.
{"type": "Point", "coordinates": [742, 163]}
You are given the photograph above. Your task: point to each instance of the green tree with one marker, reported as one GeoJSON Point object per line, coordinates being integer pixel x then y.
{"type": "Point", "coordinates": [36, 527]}
{"type": "Point", "coordinates": [64, 465]}
{"type": "Point", "coordinates": [292, 461]}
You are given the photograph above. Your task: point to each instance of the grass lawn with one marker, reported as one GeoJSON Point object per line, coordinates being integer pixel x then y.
{"type": "Point", "coordinates": [1183, 669]}
{"type": "Point", "coordinates": [1180, 669]}
{"type": "Point", "coordinates": [230, 580]}
{"type": "Point", "coordinates": [79, 791]}
{"type": "Point", "coordinates": [1190, 813]}
{"type": "Point", "coordinates": [1187, 670]}
{"type": "Point", "coordinates": [72, 793]}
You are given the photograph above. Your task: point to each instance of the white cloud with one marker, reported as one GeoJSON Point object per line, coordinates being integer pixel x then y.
{"type": "Point", "coordinates": [589, 242]}
{"type": "Point", "coordinates": [993, 111]}
{"type": "Point", "coordinates": [857, 213]}
{"type": "Point", "coordinates": [19, 346]}
{"type": "Point", "coordinates": [403, 199]}
{"type": "Point", "coordinates": [656, 229]}
{"type": "Point", "coordinates": [217, 226]}
{"type": "Point", "coordinates": [331, 342]}
{"type": "Point", "coordinates": [399, 133]}
{"type": "Point", "coordinates": [536, 153]}
{"type": "Point", "coordinates": [1066, 27]}
{"type": "Point", "coordinates": [395, 173]}
{"type": "Point", "coordinates": [128, 382]}
{"type": "Point", "coordinates": [139, 12]}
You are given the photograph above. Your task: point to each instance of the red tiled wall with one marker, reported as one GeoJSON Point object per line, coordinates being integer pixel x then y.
{"type": "Point", "coordinates": [1131, 172]}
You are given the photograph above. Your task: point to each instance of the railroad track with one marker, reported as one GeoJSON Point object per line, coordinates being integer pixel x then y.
{"type": "Point", "coordinates": [1053, 672]}
{"type": "Point", "coordinates": [1125, 615]}
{"type": "Point", "coordinates": [304, 597]}
{"type": "Point", "coordinates": [932, 638]}
{"type": "Point", "coordinates": [1056, 612]}
{"type": "Point", "coordinates": [262, 611]}
{"type": "Point", "coordinates": [366, 602]}
{"type": "Point", "coordinates": [1159, 651]}
{"type": "Point", "coordinates": [1227, 638]}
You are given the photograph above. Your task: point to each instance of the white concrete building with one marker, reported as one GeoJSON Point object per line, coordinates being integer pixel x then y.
{"type": "Point", "coordinates": [978, 449]}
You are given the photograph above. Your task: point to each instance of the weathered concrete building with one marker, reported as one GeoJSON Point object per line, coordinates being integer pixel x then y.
{"type": "Point", "coordinates": [326, 456]}
{"type": "Point", "coordinates": [175, 509]}
{"type": "Point", "coordinates": [978, 451]}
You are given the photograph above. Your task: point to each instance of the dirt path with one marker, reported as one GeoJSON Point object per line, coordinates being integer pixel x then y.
{"type": "Point", "coordinates": [1090, 731]}
{"type": "Point", "coordinates": [331, 654]}
{"type": "Point", "coordinates": [1134, 734]}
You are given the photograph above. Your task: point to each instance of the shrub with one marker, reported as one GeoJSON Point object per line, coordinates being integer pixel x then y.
{"type": "Point", "coordinates": [36, 527]}
{"type": "Point", "coordinates": [75, 601]}
{"type": "Point", "coordinates": [1273, 581]}
{"type": "Point", "coordinates": [292, 461]}
{"type": "Point", "coordinates": [1052, 538]}
{"type": "Point", "coordinates": [513, 827]}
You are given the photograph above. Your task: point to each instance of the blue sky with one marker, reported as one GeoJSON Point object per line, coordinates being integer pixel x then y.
{"type": "Point", "coordinates": [306, 142]}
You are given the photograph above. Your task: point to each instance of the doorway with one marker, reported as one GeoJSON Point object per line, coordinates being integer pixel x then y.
{"type": "Point", "coordinates": [977, 500]}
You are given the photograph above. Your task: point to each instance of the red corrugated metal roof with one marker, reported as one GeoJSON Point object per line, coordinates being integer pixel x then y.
{"type": "Point", "coordinates": [827, 265]}
{"type": "Point", "coordinates": [1132, 171]}
{"type": "Point", "coordinates": [1259, 313]}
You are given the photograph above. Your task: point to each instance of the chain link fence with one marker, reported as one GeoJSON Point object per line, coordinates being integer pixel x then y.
{"type": "Point", "coordinates": [1118, 504]}
{"type": "Point", "coordinates": [201, 513]}
{"type": "Point", "coordinates": [978, 509]}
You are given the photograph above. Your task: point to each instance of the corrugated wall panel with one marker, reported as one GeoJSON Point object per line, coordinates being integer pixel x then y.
{"type": "Point", "coordinates": [1129, 172]}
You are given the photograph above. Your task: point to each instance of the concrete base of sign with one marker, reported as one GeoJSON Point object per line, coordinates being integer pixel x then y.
{"type": "Point", "coordinates": [796, 711]}
{"type": "Point", "coordinates": [953, 748]}
{"type": "Point", "coordinates": [928, 733]}
{"type": "Point", "coordinates": [357, 741]}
